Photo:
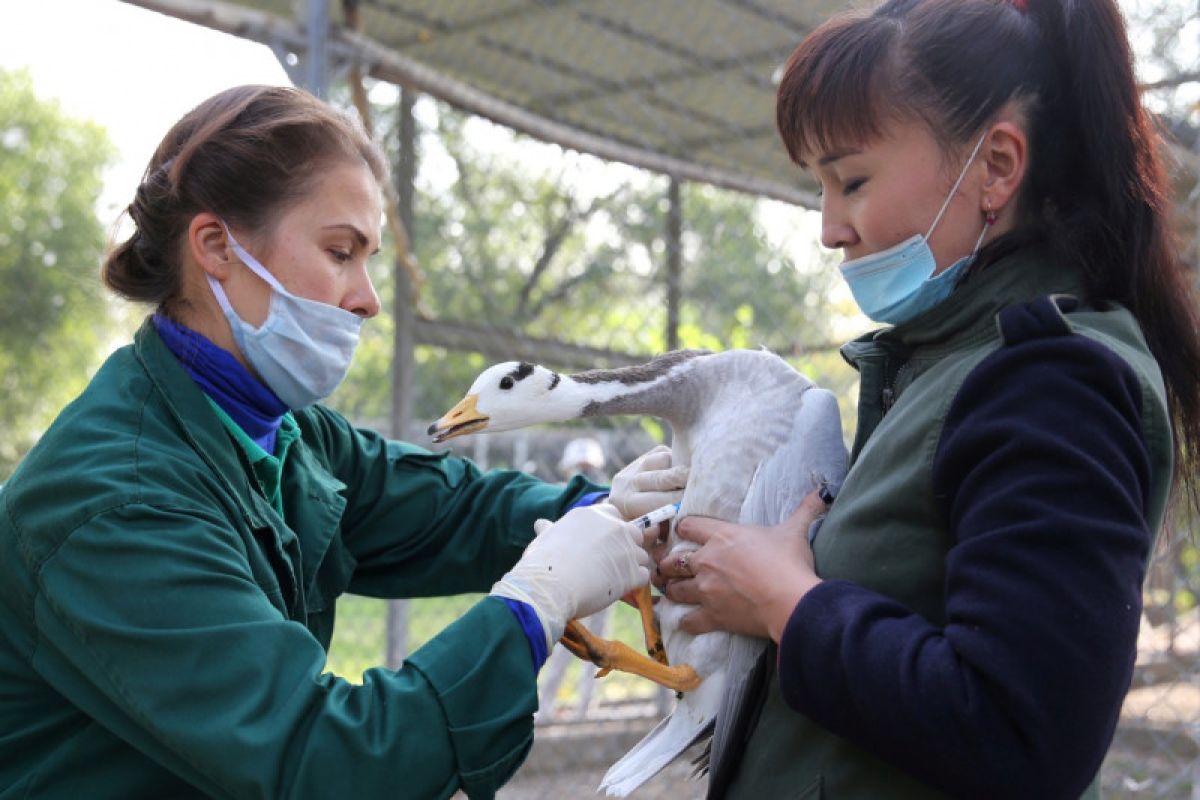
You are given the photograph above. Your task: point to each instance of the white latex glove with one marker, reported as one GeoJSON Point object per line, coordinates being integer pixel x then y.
{"type": "Point", "coordinates": [577, 566]}
{"type": "Point", "coordinates": [647, 483]}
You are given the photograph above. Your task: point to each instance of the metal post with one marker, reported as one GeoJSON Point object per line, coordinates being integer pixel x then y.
{"type": "Point", "coordinates": [317, 70]}
{"type": "Point", "coordinates": [674, 261]}
{"type": "Point", "coordinates": [402, 342]}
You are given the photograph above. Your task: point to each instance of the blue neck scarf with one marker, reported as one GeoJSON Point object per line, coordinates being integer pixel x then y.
{"type": "Point", "coordinates": [249, 403]}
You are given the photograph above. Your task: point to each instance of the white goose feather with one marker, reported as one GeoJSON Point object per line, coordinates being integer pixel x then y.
{"type": "Point", "coordinates": [758, 437]}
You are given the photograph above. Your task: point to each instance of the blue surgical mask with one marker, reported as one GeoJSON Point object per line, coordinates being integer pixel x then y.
{"type": "Point", "coordinates": [304, 347]}
{"type": "Point", "coordinates": [897, 284]}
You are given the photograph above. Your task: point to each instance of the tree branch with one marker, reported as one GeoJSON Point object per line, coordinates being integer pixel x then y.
{"type": "Point", "coordinates": [1171, 82]}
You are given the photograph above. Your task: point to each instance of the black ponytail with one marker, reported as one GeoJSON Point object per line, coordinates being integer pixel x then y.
{"type": "Point", "coordinates": [1102, 196]}
{"type": "Point", "coordinates": [1096, 193]}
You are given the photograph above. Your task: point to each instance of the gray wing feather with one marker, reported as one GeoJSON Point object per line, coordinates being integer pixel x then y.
{"type": "Point", "coordinates": [813, 456]}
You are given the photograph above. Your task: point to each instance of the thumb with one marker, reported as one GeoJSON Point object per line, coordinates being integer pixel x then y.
{"type": "Point", "coordinates": [810, 508]}
{"type": "Point", "coordinates": [658, 458]}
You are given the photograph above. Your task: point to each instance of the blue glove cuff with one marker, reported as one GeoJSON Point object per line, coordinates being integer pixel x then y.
{"type": "Point", "coordinates": [532, 627]}
{"type": "Point", "coordinates": [589, 499]}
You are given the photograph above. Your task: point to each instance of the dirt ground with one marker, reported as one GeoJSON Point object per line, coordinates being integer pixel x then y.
{"type": "Point", "coordinates": [568, 760]}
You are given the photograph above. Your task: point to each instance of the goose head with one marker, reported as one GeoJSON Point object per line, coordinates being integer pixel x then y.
{"type": "Point", "coordinates": [508, 396]}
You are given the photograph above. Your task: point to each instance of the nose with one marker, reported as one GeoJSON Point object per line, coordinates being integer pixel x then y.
{"type": "Point", "coordinates": [362, 299]}
{"type": "Point", "coordinates": [836, 231]}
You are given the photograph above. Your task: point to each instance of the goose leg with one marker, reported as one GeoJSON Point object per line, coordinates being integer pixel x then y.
{"type": "Point", "coordinates": [645, 606]}
{"type": "Point", "coordinates": [609, 655]}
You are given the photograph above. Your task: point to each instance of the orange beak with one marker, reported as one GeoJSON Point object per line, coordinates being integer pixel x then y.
{"type": "Point", "coordinates": [464, 418]}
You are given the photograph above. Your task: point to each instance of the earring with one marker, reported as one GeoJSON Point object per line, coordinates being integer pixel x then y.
{"type": "Point", "coordinates": [989, 216]}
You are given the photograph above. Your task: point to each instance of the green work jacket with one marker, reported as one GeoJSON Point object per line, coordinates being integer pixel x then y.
{"type": "Point", "coordinates": [163, 629]}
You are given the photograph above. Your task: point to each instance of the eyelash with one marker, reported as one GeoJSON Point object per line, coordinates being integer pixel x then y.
{"type": "Point", "coordinates": [340, 256]}
{"type": "Point", "coordinates": [848, 189]}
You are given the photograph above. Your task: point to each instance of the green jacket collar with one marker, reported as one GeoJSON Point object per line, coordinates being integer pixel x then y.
{"type": "Point", "coordinates": [202, 429]}
{"type": "Point", "coordinates": [971, 310]}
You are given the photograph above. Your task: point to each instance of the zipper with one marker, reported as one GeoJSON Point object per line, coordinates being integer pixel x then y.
{"type": "Point", "coordinates": [887, 395]}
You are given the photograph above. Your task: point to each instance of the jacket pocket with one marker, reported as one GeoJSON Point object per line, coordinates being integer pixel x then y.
{"type": "Point", "coordinates": [273, 570]}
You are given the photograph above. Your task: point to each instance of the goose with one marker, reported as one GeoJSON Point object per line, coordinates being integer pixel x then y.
{"type": "Point", "coordinates": [757, 435]}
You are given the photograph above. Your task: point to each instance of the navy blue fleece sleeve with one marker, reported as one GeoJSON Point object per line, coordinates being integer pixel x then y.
{"type": "Point", "coordinates": [1043, 474]}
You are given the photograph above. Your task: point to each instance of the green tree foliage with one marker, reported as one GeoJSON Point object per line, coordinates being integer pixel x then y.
{"type": "Point", "coordinates": [54, 314]}
{"type": "Point", "coordinates": [507, 233]}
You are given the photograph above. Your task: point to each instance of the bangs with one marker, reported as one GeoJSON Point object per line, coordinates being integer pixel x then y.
{"type": "Point", "coordinates": [823, 101]}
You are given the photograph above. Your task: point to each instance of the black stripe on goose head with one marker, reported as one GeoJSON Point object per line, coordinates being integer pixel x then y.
{"type": "Point", "coordinates": [641, 373]}
{"type": "Point", "coordinates": [522, 371]}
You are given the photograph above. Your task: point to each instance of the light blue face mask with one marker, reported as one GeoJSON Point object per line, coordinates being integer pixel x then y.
{"type": "Point", "coordinates": [303, 349]}
{"type": "Point", "coordinates": [897, 284]}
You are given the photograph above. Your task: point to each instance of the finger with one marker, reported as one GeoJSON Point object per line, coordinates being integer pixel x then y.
{"type": "Point", "coordinates": [697, 622]}
{"type": "Point", "coordinates": [638, 539]}
{"type": "Point", "coordinates": [645, 502]}
{"type": "Point", "coordinates": [644, 561]}
{"type": "Point", "coordinates": [654, 539]}
{"type": "Point", "coordinates": [700, 529]}
{"type": "Point", "coordinates": [674, 566]}
{"type": "Point", "coordinates": [683, 591]}
{"type": "Point", "coordinates": [661, 479]}
{"type": "Point", "coordinates": [658, 458]}
{"type": "Point", "coordinates": [811, 507]}
{"type": "Point", "coordinates": [658, 580]}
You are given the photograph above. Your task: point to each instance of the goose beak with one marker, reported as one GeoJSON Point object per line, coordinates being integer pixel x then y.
{"type": "Point", "coordinates": [464, 418]}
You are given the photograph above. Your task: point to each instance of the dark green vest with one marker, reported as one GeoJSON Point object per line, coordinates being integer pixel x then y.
{"type": "Point", "coordinates": [885, 532]}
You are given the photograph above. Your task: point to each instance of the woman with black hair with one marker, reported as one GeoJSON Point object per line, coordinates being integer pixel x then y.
{"type": "Point", "coordinates": [965, 620]}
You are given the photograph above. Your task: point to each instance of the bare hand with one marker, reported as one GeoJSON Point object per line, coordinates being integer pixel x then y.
{"type": "Point", "coordinates": [745, 578]}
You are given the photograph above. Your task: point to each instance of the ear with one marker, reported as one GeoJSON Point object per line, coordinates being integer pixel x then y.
{"type": "Point", "coordinates": [1005, 156]}
{"type": "Point", "coordinates": [208, 245]}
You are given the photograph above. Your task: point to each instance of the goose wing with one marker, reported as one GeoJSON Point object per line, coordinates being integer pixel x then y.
{"type": "Point", "coordinates": [813, 455]}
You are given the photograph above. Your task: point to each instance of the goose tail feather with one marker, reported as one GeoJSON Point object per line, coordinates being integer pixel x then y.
{"type": "Point", "coordinates": [691, 721]}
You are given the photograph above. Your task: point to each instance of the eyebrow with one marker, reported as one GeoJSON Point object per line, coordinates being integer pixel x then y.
{"type": "Point", "coordinates": [829, 158]}
{"type": "Point", "coordinates": [359, 236]}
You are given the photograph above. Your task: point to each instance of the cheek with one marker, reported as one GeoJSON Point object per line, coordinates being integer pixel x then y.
{"type": "Point", "coordinates": [880, 226]}
{"type": "Point", "coordinates": [312, 277]}
{"type": "Point", "coordinates": [253, 302]}
{"type": "Point", "coordinates": [249, 296]}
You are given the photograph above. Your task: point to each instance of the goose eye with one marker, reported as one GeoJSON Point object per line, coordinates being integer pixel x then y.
{"type": "Point", "coordinates": [506, 382]}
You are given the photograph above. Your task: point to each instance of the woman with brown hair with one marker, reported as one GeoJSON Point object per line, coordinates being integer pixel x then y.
{"type": "Point", "coordinates": [172, 549]}
{"type": "Point", "coordinates": [965, 620]}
